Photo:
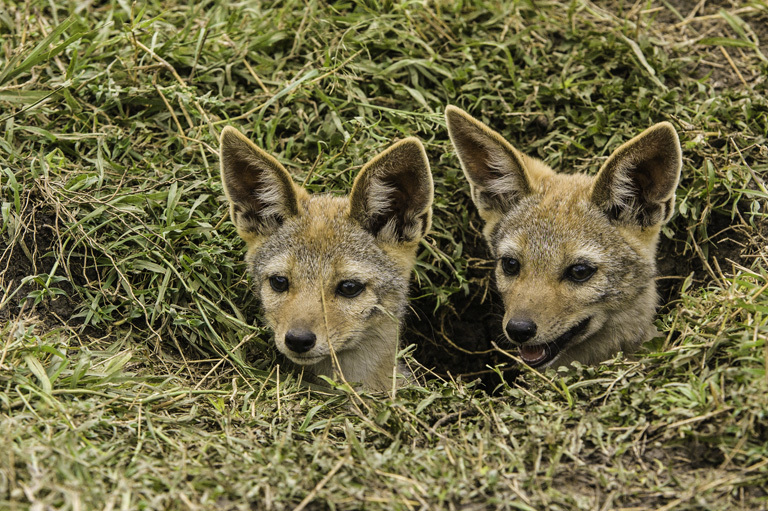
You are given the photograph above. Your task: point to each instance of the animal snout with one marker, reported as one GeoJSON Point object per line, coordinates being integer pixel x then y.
{"type": "Point", "coordinates": [300, 341]}
{"type": "Point", "coordinates": [520, 330]}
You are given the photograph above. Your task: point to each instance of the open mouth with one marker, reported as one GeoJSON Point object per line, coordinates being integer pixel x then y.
{"type": "Point", "coordinates": [540, 354]}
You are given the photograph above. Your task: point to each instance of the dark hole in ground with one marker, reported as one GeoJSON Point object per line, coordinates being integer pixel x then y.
{"type": "Point", "coordinates": [28, 256]}
{"type": "Point", "coordinates": [455, 340]}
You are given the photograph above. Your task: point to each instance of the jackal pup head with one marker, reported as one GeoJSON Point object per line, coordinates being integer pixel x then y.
{"type": "Point", "coordinates": [575, 255]}
{"type": "Point", "coordinates": [331, 272]}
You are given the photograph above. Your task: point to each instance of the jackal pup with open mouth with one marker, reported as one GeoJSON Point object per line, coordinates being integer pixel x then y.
{"type": "Point", "coordinates": [575, 255]}
{"type": "Point", "coordinates": [332, 273]}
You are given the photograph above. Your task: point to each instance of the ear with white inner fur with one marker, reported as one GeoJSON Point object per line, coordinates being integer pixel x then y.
{"type": "Point", "coordinates": [392, 195]}
{"type": "Point", "coordinates": [495, 170]}
{"type": "Point", "coordinates": [637, 183]}
{"type": "Point", "coordinates": [261, 192]}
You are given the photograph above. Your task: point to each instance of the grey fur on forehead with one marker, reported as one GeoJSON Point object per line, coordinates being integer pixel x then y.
{"type": "Point", "coordinates": [335, 244]}
{"type": "Point", "coordinates": [544, 231]}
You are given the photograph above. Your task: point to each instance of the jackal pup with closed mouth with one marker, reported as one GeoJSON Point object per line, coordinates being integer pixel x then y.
{"type": "Point", "coordinates": [331, 273]}
{"type": "Point", "coordinates": [575, 255]}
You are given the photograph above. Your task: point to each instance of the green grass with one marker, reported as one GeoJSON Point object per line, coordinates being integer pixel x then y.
{"type": "Point", "coordinates": [134, 372]}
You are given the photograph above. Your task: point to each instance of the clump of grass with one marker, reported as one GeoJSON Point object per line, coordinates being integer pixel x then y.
{"type": "Point", "coordinates": [133, 366]}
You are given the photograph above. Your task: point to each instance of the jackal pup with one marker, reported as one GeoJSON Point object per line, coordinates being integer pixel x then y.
{"type": "Point", "coordinates": [331, 272]}
{"type": "Point", "coordinates": [575, 255]}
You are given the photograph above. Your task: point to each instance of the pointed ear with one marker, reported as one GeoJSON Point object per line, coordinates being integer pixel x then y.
{"type": "Point", "coordinates": [260, 191]}
{"type": "Point", "coordinates": [392, 195]}
{"type": "Point", "coordinates": [637, 183]}
{"type": "Point", "coordinates": [495, 170]}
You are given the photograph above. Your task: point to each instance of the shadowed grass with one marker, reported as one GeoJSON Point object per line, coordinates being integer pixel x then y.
{"type": "Point", "coordinates": [133, 366]}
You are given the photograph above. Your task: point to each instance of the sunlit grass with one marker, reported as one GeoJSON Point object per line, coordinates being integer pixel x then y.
{"type": "Point", "coordinates": [134, 370]}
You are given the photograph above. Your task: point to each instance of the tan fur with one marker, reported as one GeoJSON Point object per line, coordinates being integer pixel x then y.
{"type": "Point", "coordinates": [547, 227]}
{"type": "Point", "coordinates": [318, 242]}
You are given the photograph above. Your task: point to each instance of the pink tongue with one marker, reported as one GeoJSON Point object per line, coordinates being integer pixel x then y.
{"type": "Point", "coordinates": [533, 353]}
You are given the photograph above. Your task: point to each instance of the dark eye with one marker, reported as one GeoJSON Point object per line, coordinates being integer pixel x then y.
{"type": "Point", "coordinates": [580, 272]}
{"type": "Point", "coordinates": [510, 265]}
{"type": "Point", "coordinates": [279, 283]}
{"type": "Point", "coordinates": [349, 288]}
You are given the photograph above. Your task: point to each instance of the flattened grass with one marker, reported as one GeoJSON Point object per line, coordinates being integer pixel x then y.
{"type": "Point", "coordinates": [133, 368]}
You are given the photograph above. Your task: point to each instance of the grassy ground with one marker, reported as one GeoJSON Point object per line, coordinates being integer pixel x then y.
{"type": "Point", "coordinates": [133, 369]}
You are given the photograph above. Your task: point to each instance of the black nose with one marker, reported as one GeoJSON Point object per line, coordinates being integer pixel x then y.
{"type": "Point", "coordinates": [520, 330]}
{"type": "Point", "coordinates": [300, 341]}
